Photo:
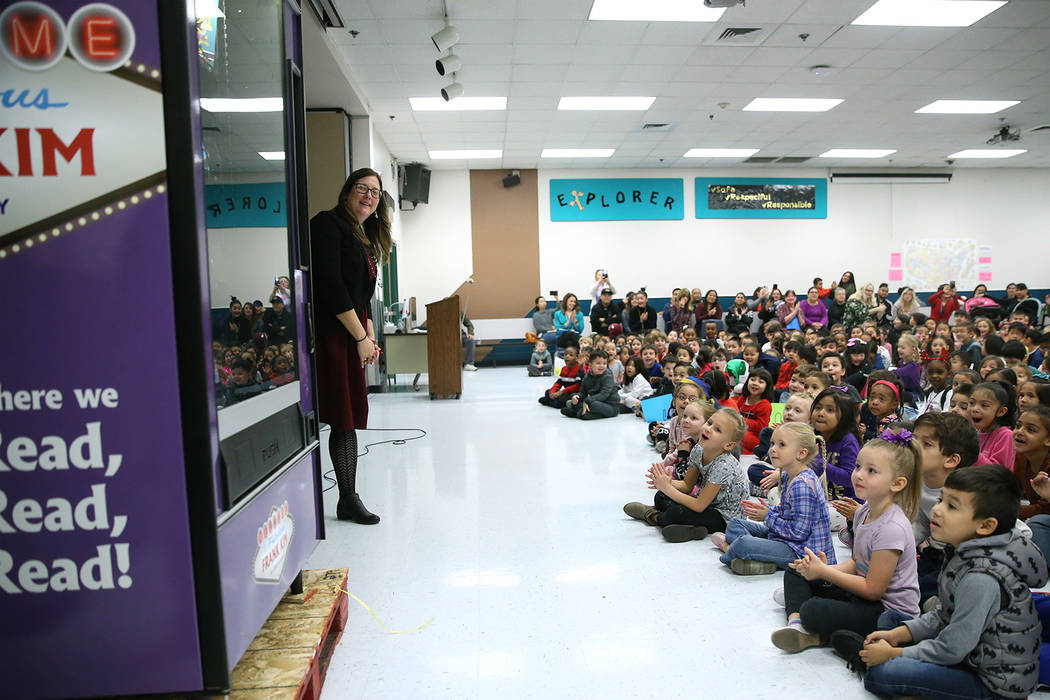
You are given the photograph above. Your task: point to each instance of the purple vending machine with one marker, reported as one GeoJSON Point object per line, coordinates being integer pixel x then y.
{"type": "Point", "coordinates": [159, 472]}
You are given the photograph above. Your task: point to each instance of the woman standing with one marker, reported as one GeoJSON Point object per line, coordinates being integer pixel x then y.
{"type": "Point", "coordinates": [848, 283]}
{"type": "Point", "coordinates": [349, 243]}
{"type": "Point", "coordinates": [601, 282]}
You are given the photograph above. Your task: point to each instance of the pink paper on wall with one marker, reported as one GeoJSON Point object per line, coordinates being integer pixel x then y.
{"type": "Point", "coordinates": [898, 275]}
{"type": "Point", "coordinates": [895, 260]}
{"type": "Point", "coordinates": [985, 260]}
{"type": "Point", "coordinates": [984, 276]}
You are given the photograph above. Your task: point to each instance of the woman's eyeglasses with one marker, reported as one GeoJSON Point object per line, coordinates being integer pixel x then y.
{"type": "Point", "coordinates": [365, 189]}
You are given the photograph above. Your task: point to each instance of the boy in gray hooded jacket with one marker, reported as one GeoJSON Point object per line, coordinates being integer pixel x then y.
{"type": "Point", "coordinates": [983, 641]}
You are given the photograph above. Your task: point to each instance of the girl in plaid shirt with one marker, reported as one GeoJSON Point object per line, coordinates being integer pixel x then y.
{"type": "Point", "coordinates": [775, 536]}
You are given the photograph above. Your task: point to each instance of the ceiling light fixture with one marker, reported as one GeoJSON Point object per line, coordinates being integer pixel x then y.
{"type": "Point", "coordinates": [857, 153]}
{"type": "Point", "coordinates": [207, 8]}
{"type": "Point", "coordinates": [720, 152]}
{"type": "Point", "coordinates": [448, 64]}
{"type": "Point", "coordinates": [664, 11]}
{"type": "Point", "coordinates": [272, 155]}
{"type": "Point", "coordinates": [928, 13]}
{"type": "Point", "coordinates": [244, 104]}
{"type": "Point", "coordinates": [605, 103]}
{"type": "Point", "coordinates": [446, 38]}
{"type": "Point", "coordinates": [437, 104]}
{"type": "Point", "coordinates": [467, 154]}
{"type": "Point", "coordinates": [966, 106]}
{"type": "Point", "coordinates": [791, 104]}
{"type": "Point", "coordinates": [988, 153]}
{"type": "Point", "coordinates": [577, 152]}
{"type": "Point", "coordinates": [451, 92]}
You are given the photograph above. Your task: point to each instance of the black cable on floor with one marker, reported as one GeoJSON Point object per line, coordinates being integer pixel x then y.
{"type": "Point", "coordinates": [327, 476]}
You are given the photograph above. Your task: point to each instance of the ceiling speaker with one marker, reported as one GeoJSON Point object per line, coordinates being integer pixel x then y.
{"type": "Point", "coordinates": [512, 180]}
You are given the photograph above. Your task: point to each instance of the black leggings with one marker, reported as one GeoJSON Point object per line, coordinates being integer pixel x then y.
{"type": "Point", "coordinates": [825, 607]}
{"type": "Point", "coordinates": [672, 513]}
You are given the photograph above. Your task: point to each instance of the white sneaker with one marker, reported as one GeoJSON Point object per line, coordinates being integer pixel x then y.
{"type": "Point", "coordinates": [778, 596]}
{"type": "Point", "coordinates": [470, 368]}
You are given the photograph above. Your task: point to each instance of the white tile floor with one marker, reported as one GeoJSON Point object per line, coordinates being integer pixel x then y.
{"type": "Point", "coordinates": [504, 524]}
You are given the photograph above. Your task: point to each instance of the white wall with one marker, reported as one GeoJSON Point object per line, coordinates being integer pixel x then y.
{"type": "Point", "coordinates": [865, 223]}
{"type": "Point", "coordinates": [242, 262]}
{"type": "Point", "coordinates": [435, 254]}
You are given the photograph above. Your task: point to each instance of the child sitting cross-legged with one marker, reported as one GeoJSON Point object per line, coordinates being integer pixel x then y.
{"type": "Point", "coordinates": [597, 397]}
{"type": "Point", "coordinates": [983, 640]}
{"type": "Point", "coordinates": [635, 387]}
{"type": "Point", "coordinates": [878, 586]}
{"type": "Point", "coordinates": [713, 487]}
{"type": "Point", "coordinates": [567, 383]}
{"type": "Point", "coordinates": [667, 435]}
{"type": "Point", "coordinates": [775, 536]}
{"type": "Point", "coordinates": [541, 364]}
{"type": "Point", "coordinates": [762, 477]}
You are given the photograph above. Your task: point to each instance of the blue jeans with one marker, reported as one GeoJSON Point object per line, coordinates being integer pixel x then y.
{"type": "Point", "coordinates": [756, 472]}
{"type": "Point", "coordinates": [904, 676]}
{"type": "Point", "coordinates": [749, 540]}
{"type": "Point", "coordinates": [1040, 525]}
{"type": "Point", "coordinates": [892, 618]}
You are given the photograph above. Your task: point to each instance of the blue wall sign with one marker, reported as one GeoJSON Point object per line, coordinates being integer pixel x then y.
{"type": "Point", "coordinates": [612, 199]}
{"type": "Point", "coordinates": [761, 198]}
{"type": "Point", "coordinates": [248, 205]}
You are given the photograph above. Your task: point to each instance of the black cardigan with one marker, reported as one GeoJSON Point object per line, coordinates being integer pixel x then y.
{"type": "Point", "coordinates": [340, 271]}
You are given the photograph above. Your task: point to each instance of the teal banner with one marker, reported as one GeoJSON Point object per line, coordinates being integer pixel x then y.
{"type": "Point", "coordinates": [248, 205]}
{"type": "Point", "coordinates": [611, 199]}
{"type": "Point", "coordinates": [761, 198]}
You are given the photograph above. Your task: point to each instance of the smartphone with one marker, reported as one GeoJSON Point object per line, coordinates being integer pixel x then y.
{"type": "Point", "coordinates": [554, 293]}
{"type": "Point", "coordinates": [276, 281]}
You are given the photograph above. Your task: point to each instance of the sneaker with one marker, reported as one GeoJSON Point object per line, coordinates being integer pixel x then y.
{"type": "Point", "coordinates": [931, 604]}
{"type": "Point", "coordinates": [684, 533]}
{"type": "Point", "coordinates": [778, 596]}
{"type": "Point", "coordinates": [846, 537]}
{"type": "Point", "coordinates": [718, 539]}
{"type": "Point", "coordinates": [470, 368]}
{"type": "Point", "coordinates": [750, 567]}
{"type": "Point", "coordinates": [847, 644]}
{"type": "Point", "coordinates": [640, 511]}
{"type": "Point", "coordinates": [793, 639]}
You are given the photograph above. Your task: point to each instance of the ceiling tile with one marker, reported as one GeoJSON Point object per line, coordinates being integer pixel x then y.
{"type": "Point", "coordinates": [545, 31]}
{"type": "Point", "coordinates": [543, 54]}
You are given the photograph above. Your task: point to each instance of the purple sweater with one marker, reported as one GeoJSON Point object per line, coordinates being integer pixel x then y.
{"type": "Point", "coordinates": [909, 376]}
{"type": "Point", "coordinates": [842, 458]}
{"type": "Point", "coordinates": [814, 314]}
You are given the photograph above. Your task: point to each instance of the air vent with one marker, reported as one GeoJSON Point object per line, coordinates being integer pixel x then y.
{"type": "Point", "coordinates": [736, 36]}
{"type": "Point", "coordinates": [794, 159]}
{"type": "Point", "coordinates": [761, 159]}
{"type": "Point", "coordinates": [648, 127]}
{"type": "Point", "coordinates": [1037, 129]}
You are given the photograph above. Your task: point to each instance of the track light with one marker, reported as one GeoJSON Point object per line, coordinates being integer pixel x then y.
{"type": "Point", "coordinates": [451, 92]}
{"type": "Point", "coordinates": [446, 38]}
{"type": "Point", "coordinates": [448, 64]}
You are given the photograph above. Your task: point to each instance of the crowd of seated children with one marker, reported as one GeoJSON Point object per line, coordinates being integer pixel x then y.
{"type": "Point", "coordinates": [597, 396]}
{"type": "Point", "coordinates": [243, 371]}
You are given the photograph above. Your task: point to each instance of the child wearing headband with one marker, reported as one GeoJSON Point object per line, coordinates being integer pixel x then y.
{"type": "Point", "coordinates": [884, 391]}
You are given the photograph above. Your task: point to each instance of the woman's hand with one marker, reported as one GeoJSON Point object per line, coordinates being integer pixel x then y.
{"type": "Point", "coordinates": [366, 349]}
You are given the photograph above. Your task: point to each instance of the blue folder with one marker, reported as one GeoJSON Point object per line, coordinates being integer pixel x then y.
{"type": "Point", "coordinates": [657, 408]}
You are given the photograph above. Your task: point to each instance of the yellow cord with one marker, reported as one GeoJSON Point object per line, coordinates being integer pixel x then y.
{"type": "Point", "coordinates": [365, 606]}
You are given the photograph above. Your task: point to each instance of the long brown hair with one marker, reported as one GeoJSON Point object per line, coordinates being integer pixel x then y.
{"type": "Point", "coordinates": [374, 233]}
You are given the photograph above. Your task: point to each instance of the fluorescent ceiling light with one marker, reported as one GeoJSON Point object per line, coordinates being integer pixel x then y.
{"type": "Point", "coordinates": [207, 8]}
{"type": "Point", "coordinates": [966, 106]}
{"type": "Point", "coordinates": [242, 104]}
{"type": "Point", "coordinates": [989, 153]}
{"type": "Point", "coordinates": [663, 11]}
{"type": "Point", "coordinates": [609, 103]}
{"type": "Point", "coordinates": [438, 104]}
{"type": "Point", "coordinates": [857, 153]}
{"type": "Point", "coordinates": [791, 104]}
{"type": "Point", "coordinates": [928, 13]}
{"type": "Point", "coordinates": [464, 154]}
{"type": "Point", "coordinates": [720, 153]}
{"type": "Point", "coordinates": [272, 155]}
{"type": "Point", "coordinates": [577, 152]}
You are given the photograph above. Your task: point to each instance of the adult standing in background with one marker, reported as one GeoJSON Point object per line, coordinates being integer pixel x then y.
{"type": "Point", "coordinates": [814, 313]}
{"type": "Point", "coordinates": [708, 310]}
{"type": "Point", "coordinates": [906, 304]}
{"type": "Point", "coordinates": [543, 321]}
{"type": "Point", "coordinates": [944, 303]}
{"type": "Point", "coordinates": [568, 321]}
{"type": "Point", "coordinates": [349, 243]}
{"type": "Point", "coordinates": [837, 306]}
{"type": "Point", "coordinates": [282, 288]}
{"type": "Point", "coordinates": [848, 283]}
{"type": "Point", "coordinates": [601, 282]}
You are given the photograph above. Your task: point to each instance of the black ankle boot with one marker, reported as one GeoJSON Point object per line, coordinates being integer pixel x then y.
{"type": "Point", "coordinates": [351, 508]}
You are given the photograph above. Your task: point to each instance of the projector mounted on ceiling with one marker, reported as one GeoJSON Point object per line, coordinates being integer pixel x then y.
{"type": "Point", "coordinates": [1004, 134]}
{"type": "Point", "coordinates": [723, 3]}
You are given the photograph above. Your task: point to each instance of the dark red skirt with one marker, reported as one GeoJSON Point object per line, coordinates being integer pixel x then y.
{"type": "Point", "coordinates": [342, 392]}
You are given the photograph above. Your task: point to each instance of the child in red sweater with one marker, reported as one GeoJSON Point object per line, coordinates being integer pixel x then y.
{"type": "Point", "coordinates": [567, 383]}
{"type": "Point", "coordinates": [755, 405]}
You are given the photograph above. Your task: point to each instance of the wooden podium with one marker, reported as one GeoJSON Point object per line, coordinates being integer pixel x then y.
{"type": "Point", "coordinates": [444, 347]}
